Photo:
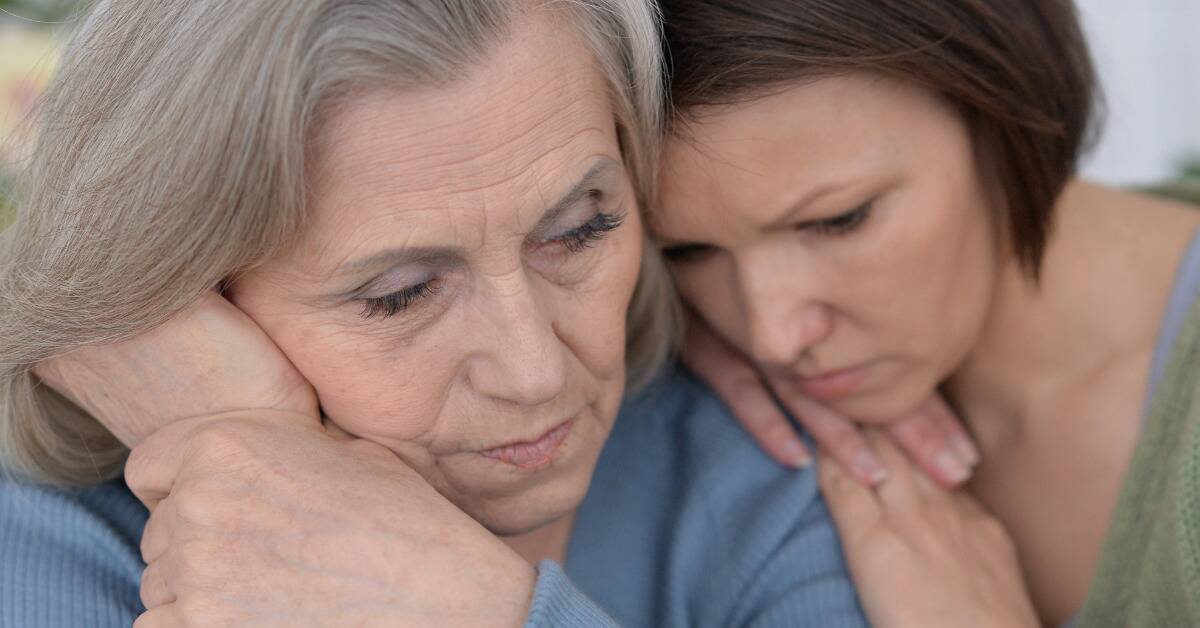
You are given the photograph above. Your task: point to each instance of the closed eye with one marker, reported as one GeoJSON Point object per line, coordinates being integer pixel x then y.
{"type": "Point", "coordinates": [398, 301]}
{"type": "Point", "coordinates": [590, 232]}
{"type": "Point", "coordinates": [575, 240]}
{"type": "Point", "coordinates": [840, 224]}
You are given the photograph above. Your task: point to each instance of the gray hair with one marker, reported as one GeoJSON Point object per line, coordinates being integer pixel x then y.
{"type": "Point", "coordinates": [172, 153]}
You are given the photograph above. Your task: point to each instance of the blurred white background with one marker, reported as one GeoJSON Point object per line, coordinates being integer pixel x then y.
{"type": "Point", "coordinates": [1147, 52]}
{"type": "Point", "coordinates": [1148, 56]}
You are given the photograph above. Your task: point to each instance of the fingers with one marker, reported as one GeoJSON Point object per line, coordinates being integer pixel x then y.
{"type": "Point", "coordinates": [952, 427]}
{"type": "Point", "coordinates": [154, 466]}
{"type": "Point", "coordinates": [936, 441]}
{"type": "Point", "coordinates": [840, 436]}
{"type": "Point", "coordinates": [738, 384]}
{"type": "Point", "coordinates": [902, 490]}
{"type": "Point", "coordinates": [853, 506]}
{"type": "Point", "coordinates": [156, 536]}
{"type": "Point", "coordinates": [155, 591]}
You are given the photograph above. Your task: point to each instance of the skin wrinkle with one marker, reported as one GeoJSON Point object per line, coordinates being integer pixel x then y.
{"type": "Point", "coordinates": [527, 120]}
{"type": "Point", "coordinates": [431, 171]}
{"type": "Point", "coordinates": [416, 219]}
{"type": "Point", "coordinates": [520, 334]}
{"type": "Point", "coordinates": [482, 215]}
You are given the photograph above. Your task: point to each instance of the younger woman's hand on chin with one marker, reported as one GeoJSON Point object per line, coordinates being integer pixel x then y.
{"type": "Point", "coordinates": [209, 360]}
{"type": "Point", "coordinates": [932, 436]}
{"type": "Point", "coordinates": [923, 556]}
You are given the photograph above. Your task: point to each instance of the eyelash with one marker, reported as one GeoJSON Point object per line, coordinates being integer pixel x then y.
{"type": "Point", "coordinates": [590, 232]}
{"type": "Point", "coordinates": [396, 302]}
{"type": "Point", "coordinates": [843, 223]}
{"type": "Point", "coordinates": [575, 241]}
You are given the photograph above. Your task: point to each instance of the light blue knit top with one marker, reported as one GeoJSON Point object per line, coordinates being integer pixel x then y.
{"type": "Point", "coordinates": [687, 523]}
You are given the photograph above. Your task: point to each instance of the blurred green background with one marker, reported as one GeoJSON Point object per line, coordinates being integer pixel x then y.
{"type": "Point", "coordinates": [27, 54]}
{"type": "Point", "coordinates": [1185, 186]}
{"type": "Point", "coordinates": [40, 10]}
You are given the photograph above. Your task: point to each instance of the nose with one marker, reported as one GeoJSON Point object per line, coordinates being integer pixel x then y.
{"type": "Point", "coordinates": [520, 358]}
{"type": "Point", "coordinates": [784, 316]}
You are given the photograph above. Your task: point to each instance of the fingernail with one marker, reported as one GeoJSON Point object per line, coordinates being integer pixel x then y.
{"type": "Point", "coordinates": [951, 466]}
{"type": "Point", "coordinates": [965, 449]}
{"type": "Point", "coordinates": [868, 466]}
{"type": "Point", "coordinates": [797, 454]}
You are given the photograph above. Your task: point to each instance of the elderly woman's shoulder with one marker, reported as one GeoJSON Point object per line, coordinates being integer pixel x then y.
{"type": "Point", "coordinates": [69, 557]}
{"type": "Point", "coordinates": [681, 410]}
{"type": "Point", "coordinates": [709, 530]}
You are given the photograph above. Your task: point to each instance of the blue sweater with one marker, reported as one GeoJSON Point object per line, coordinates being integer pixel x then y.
{"type": "Point", "coordinates": [686, 524]}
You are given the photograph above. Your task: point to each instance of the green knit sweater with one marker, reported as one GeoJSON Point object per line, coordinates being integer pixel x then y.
{"type": "Point", "coordinates": [1149, 570]}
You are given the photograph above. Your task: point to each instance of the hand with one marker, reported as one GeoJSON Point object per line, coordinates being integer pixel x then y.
{"type": "Point", "coordinates": [206, 361]}
{"type": "Point", "coordinates": [267, 520]}
{"type": "Point", "coordinates": [932, 435]}
{"type": "Point", "coordinates": [921, 555]}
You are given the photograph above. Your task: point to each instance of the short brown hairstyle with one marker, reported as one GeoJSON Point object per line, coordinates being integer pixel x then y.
{"type": "Point", "coordinates": [1018, 69]}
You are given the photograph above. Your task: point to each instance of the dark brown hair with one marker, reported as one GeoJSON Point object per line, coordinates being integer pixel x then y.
{"type": "Point", "coordinates": [1018, 69]}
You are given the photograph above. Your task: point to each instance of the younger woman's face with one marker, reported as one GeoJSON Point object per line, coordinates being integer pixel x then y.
{"type": "Point", "coordinates": [838, 232]}
{"type": "Point", "coordinates": [460, 293]}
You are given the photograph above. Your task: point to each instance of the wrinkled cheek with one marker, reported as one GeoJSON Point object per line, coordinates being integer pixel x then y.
{"type": "Point", "coordinates": [370, 392]}
{"type": "Point", "coordinates": [594, 321]}
{"type": "Point", "coordinates": [388, 409]}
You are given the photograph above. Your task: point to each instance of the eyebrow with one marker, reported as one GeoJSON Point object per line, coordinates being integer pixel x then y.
{"type": "Point", "coordinates": [603, 166]}
{"type": "Point", "coordinates": [782, 220]}
{"type": "Point", "coordinates": [400, 256]}
{"type": "Point", "coordinates": [803, 202]}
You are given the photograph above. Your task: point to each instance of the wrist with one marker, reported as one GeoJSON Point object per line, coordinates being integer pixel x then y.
{"type": "Point", "coordinates": [261, 414]}
{"type": "Point", "coordinates": [513, 597]}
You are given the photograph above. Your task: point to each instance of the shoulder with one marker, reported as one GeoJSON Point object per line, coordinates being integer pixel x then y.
{"type": "Point", "coordinates": [714, 457]}
{"type": "Point", "coordinates": [1146, 572]}
{"type": "Point", "coordinates": [752, 539]}
{"type": "Point", "coordinates": [69, 557]}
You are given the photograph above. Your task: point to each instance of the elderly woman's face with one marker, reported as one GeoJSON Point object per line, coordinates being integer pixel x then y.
{"type": "Point", "coordinates": [460, 294]}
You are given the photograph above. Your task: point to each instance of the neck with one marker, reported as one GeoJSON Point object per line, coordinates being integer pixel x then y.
{"type": "Point", "coordinates": [1098, 300]}
{"type": "Point", "coordinates": [548, 542]}
{"type": "Point", "coordinates": [1023, 353]}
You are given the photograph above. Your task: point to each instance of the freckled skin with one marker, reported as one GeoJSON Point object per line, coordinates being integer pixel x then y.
{"type": "Point", "coordinates": [519, 334]}
{"type": "Point", "coordinates": [905, 294]}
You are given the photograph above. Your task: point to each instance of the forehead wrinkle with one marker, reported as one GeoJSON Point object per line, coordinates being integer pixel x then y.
{"type": "Point", "coordinates": [437, 141]}
{"type": "Point", "coordinates": [401, 217]}
{"type": "Point", "coordinates": [320, 260]}
{"type": "Point", "coordinates": [496, 132]}
{"type": "Point", "coordinates": [527, 133]}
{"type": "Point", "coordinates": [378, 181]}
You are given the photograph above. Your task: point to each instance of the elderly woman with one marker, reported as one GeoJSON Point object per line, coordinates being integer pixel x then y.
{"type": "Point", "coordinates": [424, 218]}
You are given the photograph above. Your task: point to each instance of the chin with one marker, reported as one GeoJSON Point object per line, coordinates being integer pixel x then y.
{"type": "Point", "coordinates": [521, 515]}
{"type": "Point", "coordinates": [885, 406]}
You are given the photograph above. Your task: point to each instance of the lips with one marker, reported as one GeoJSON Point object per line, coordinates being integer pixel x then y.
{"type": "Point", "coordinates": [831, 385]}
{"type": "Point", "coordinates": [532, 454]}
